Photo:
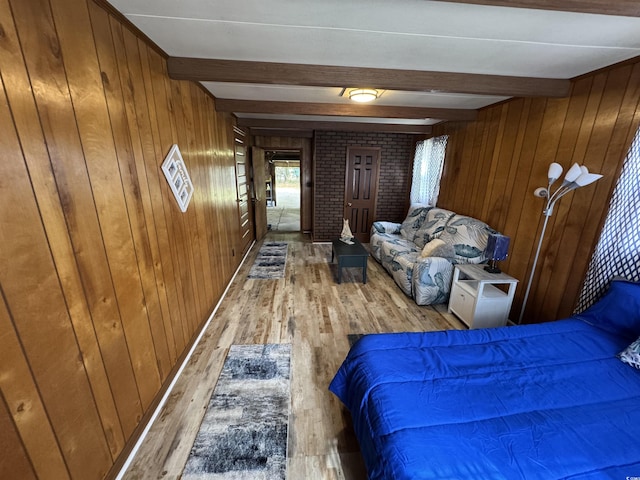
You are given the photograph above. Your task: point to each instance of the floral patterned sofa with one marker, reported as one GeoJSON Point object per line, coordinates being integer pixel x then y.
{"type": "Point", "coordinates": [399, 248]}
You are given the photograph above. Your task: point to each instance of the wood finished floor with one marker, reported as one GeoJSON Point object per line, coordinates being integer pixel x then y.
{"type": "Point", "coordinates": [311, 311]}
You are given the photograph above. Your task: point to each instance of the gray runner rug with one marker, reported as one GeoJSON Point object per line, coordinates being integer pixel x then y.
{"type": "Point", "coordinates": [243, 435]}
{"type": "Point", "coordinates": [270, 262]}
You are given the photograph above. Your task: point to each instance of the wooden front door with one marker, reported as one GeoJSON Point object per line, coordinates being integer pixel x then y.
{"type": "Point", "coordinates": [259, 191]}
{"type": "Point", "coordinates": [361, 188]}
{"type": "Point", "coordinates": [245, 213]}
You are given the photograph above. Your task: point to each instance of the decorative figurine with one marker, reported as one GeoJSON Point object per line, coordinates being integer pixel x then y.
{"type": "Point", "coordinates": [346, 236]}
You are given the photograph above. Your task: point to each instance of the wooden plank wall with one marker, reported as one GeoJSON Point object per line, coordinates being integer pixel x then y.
{"type": "Point", "coordinates": [104, 282]}
{"type": "Point", "coordinates": [494, 164]}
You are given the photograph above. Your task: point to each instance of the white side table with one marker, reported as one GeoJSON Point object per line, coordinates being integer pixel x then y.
{"type": "Point", "coordinates": [476, 299]}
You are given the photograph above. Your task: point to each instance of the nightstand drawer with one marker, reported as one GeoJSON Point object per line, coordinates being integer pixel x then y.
{"type": "Point", "coordinates": [462, 304]}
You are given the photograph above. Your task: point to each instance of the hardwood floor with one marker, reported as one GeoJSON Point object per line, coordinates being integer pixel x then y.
{"type": "Point", "coordinates": [310, 310]}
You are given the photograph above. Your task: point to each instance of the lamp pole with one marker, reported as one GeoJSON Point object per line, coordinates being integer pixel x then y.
{"type": "Point", "coordinates": [577, 176]}
{"type": "Point", "coordinates": [535, 262]}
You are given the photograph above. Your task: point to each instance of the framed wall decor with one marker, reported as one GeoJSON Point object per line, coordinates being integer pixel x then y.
{"type": "Point", "coordinates": [177, 175]}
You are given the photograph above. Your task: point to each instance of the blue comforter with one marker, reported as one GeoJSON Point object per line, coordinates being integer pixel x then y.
{"type": "Point", "coordinates": [546, 401]}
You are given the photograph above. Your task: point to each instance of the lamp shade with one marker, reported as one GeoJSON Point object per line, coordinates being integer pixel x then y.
{"type": "Point", "coordinates": [587, 178]}
{"type": "Point", "coordinates": [497, 246]}
{"type": "Point", "coordinates": [555, 170]}
{"type": "Point", "coordinates": [574, 172]}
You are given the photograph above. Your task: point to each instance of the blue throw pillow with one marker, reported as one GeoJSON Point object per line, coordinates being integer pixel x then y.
{"type": "Point", "coordinates": [618, 311]}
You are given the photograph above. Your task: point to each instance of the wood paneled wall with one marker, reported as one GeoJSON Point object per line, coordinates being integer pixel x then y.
{"type": "Point", "coordinates": [306, 171]}
{"type": "Point", "coordinates": [104, 282]}
{"type": "Point", "coordinates": [494, 164]}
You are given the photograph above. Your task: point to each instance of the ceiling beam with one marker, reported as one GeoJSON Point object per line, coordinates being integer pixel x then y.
{"type": "Point", "coordinates": [212, 70]}
{"type": "Point", "coordinates": [260, 124]}
{"type": "Point", "coordinates": [342, 110]}
{"type": "Point", "coordinates": [269, 132]}
{"type": "Point", "coordinates": [624, 8]}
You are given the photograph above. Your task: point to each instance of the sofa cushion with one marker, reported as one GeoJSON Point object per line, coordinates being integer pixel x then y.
{"type": "Point", "coordinates": [413, 222]}
{"type": "Point", "coordinates": [468, 237]}
{"type": "Point", "coordinates": [390, 247]}
{"type": "Point", "coordinates": [438, 248]}
{"type": "Point", "coordinates": [432, 226]}
{"type": "Point", "coordinates": [385, 227]}
{"type": "Point", "coordinates": [401, 268]}
{"type": "Point", "coordinates": [378, 238]}
{"type": "Point", "coordinates": [397, 256]}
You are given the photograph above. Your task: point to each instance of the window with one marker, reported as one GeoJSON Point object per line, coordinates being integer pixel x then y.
{"type": "Point", "coordinates": [427, 170]}
{"type": "Point", "coordinates": [618, 250]}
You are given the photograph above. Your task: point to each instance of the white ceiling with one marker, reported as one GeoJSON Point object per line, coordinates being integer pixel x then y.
{"type": "Point", "coordinates": [416, 35]}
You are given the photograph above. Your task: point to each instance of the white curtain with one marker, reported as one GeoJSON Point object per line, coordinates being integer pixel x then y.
{"type": "Point", "coordinates": [427, 170]}
{"type": "Point", "coordinates": [618, 250]}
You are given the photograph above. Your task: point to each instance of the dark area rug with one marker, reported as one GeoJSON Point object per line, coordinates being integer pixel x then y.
{"type": "Point", "coordinates": [243, 435]}
{"type": "Point", "coordinates": [270, 262]}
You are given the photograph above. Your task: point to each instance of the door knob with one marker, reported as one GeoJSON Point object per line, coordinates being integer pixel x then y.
{"type": "Point", "coordinates": [349, 204]}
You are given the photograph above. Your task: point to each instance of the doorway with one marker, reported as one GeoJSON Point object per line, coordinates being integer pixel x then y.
{"type": "Point", "coordinates": [283, 190]}
{"type": "Point", "coordinates": [243, 190]}
{"type": "Point", "coordinates": [361, 187]}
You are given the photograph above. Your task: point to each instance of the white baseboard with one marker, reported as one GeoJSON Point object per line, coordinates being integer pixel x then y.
{"type": "Point", "coordinates": [156, 412]}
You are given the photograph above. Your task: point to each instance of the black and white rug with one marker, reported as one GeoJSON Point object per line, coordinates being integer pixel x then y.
{"type": "Point", "coordinates": [270, 262]}
{"type": "Point", "coordinates": [243, 435]}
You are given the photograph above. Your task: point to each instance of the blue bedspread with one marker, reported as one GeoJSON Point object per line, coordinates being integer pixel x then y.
{"type": "Point", "coordinates": [546, 401]}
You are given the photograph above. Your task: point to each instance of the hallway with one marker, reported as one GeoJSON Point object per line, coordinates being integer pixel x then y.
{"type": "Point", "coordinates": [285, 216]}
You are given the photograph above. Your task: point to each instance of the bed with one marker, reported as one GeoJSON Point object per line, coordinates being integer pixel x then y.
{"type": "Point", "coordinates": [543, 401]}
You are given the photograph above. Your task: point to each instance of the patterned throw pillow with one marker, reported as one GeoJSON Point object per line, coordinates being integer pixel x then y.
{"type": "Point", "coordinates": [413, 222]}
{"type": "Point", "coordinates": [631, 354]}
{"type": "Point", "coordinates": [433, 225]}
{"type": "Point", "coordinates": [437, 248]}
{"type": "Point", "coordinates": [468, 237]}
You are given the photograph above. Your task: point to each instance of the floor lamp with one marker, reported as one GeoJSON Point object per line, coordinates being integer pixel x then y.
{"type": "Point", "coordinates": [577, 176]}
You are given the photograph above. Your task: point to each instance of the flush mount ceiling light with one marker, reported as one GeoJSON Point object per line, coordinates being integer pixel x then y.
{"type": "Point", "coordinates": [363, 95]}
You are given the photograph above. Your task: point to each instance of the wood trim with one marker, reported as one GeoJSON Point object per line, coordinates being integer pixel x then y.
{"type": "Point", "coordinates": [258, 178]}
{"type": "Point", "coordinates": [214, 70]}
{"type": "Point", "coordinates": [295, 141]}
{"type": "Point", "coordinates": [268, 132]}
{"type": "Point", "coordinates": [239, 131]}
{"type": "Point", "coordinates": [300, 108]}
{"type": "Point", "coordinates": [625, 8]}
{"type": "Point", "coordinates": [629, 61]}
{"type": "Point", "coordinates": [264, 125]}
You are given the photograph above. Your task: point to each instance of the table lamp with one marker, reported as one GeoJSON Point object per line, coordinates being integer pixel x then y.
{"type": "Point", "coordinates": [497, 249]}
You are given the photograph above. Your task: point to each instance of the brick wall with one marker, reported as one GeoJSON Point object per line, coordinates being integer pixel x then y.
{"type": "Point", "coordinates": [396, 155]}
